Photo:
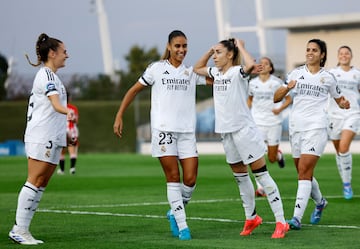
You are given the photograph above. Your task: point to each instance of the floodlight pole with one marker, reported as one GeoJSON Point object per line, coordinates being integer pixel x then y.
{"type": "Point", "coordinates": [105, 39]}
{"type": "Point", "coordinates": [225, 29]}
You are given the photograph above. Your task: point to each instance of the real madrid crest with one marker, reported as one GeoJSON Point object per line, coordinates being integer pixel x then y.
{"type": "Point", "coordinates": [163, 148]}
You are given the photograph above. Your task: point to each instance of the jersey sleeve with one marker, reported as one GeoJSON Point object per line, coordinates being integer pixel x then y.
{"type": "Point", "coordinates": [148, 79]}
{"type": "Point", "coordinates": [45, 81]}
{"type": "Point", "coordinates": [334, 90]}
{"type": "Point", "coordinates": [251, 88]}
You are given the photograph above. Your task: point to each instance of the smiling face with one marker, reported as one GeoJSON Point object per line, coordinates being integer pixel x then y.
{"type": "Point", "coordinates": [177, 49]}
{"type": "Point", "coordinates": [344, 56]}
{"type": "Point", "coordinates": [60, 56]}
{"type": "Point", "coordinates": [313, 54]}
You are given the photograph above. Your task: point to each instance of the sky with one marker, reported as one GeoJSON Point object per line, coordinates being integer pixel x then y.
{"type": "Point", "coordinates": [145, 23]}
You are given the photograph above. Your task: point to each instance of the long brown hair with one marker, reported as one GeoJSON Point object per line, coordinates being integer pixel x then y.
{"type": "Point", "coordinates": [43, 46]}
{"type": "Point", "coordinates": [172, 35]}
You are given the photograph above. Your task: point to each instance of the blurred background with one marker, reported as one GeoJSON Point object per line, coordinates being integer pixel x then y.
{"type": "Point", "coordinates": [110, 43]}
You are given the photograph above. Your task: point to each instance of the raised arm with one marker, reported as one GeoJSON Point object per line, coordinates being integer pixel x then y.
{"type": "Point", "coordinates": [200, 66]}
{"type": "Point", "coordinates": [249, 61]}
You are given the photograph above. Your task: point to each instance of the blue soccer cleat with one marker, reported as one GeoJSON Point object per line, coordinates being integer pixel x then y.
{"type": "Point", "coordinates": [348, 193]}
{"type": "Point", "coordinates": [185, 234]}
{"type": "Point", "coordinates": [316, 214]}
{"type": "Point", "coordinates": [294, 224]}
{"type": "Point", "coordinates": [173, 225]}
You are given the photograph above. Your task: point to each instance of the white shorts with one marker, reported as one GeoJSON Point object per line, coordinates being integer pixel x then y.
{"type": "Point", "coordinates": [336, 126]}
{"type": "Point", "coordinates": [271, 134]}
{"type": "Point", "coordinates": [182, 145]}
{"type": "Point", "coordinates": [49, 152]}
{"type": "Point", "coordinates": [245, 145]}
{"type": "Point", "coordinates": [310, 142]}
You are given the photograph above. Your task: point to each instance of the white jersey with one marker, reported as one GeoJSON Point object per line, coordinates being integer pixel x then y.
{"type": "Point", "coordinates": [230, 100]}
{"type": "Point", "coordinates": [349, 83]}
{"type": "Point", "coordinates": [310, 97]}
{"type": "Point", "coordinates": [44, 124]}
{"type": "Point", "coordinates": [172, 96]}
{"type": "Point", "coordinates": [263, 101]}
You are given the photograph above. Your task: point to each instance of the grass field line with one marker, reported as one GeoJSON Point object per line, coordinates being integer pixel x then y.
{"type": "Point", "coordinates": [192, 201]}
{"type": "Point", "coordinates": [77, 212]}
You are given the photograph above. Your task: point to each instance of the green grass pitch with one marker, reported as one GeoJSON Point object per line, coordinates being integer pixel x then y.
{"type": "Point", "coordinates": [119, 201]}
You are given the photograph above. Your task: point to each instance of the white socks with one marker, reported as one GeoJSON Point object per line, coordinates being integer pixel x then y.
{"type": "Point", "coordinates": [315, 191]}
{"type": "Point", "coordinates": [345, 161]}
{"type": "Point", "coordinates": [176, 203]}
{"type": "Point", "coordinates": [272, 194]}
{"type": "Point", "coordinates": [247, 194]}
{"type": "Point", "coordinates": [28, 201]}
{"type": "Point", "coordinates": [302, 198]}
{"type": "Point", "coordinates": [186, 193]}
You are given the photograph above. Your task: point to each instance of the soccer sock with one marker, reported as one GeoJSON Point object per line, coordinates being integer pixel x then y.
{"type": "Point", "coordinates": [258, 185]}
{"type": "Point", "coordinates": [72, 162]}
{"type": "Point", "coordinates": [346, 166]}
{"type": "Point", "coordinates": [39, 194]}
{"type": "Point", "coordinates": [26, 200]}
{"type": "Point", "coordinates": [302, 198]}
{"type": "Point", "coordinates": [247, 194]}
{"type": "Point", "coordinates": [62, 164]}
{"type": "Point", "coordinates": [337, 158]}
{"type": "Point", "coordinates": [272, 194]}
{"type": "Point", "coordinates": [176, 204]}
{"type": "Point", "coordinates": [186, 192]}
{"type": "Point", "coordinates": [315, 191]}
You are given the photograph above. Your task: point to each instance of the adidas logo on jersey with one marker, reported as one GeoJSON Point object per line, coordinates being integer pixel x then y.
{"type": "Point", "coordinates": [312, 149]}
{"type": "Point", "coordinates": [302, 77]}
{"type": "Point", "coordinates": [166, 72]}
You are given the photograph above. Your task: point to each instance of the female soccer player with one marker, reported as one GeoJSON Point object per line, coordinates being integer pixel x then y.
{"type": "Point", "coordinates": [173, 123]}
{"type": "Point", "coordinates": [72, 140]}
{"type": "Point", "coordinates": [311, 86]}
{"type": "Point", "coordinates": [267, 114]}
{"type": "Point", "coordinates": [45, 133]}
{"type": "Point", "coordinates": [234, 122]}
{"type": "Point", "coordinates": [344, 124]}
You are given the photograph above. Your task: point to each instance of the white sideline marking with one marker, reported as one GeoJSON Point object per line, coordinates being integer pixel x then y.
{"type": "Point", "coordinates": [192, 201]}
{"type": "Point", "coordinates": [163, 217]}
{"type": "Point", "coordinates": [75, 212]}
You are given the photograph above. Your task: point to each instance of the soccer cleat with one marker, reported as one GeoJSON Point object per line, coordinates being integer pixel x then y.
{"type": "Point", "coordinates": [281, 161]}
{"type": "Point", "coordinates": [60, 172]}
{"type": "Point", "coordinates": [280, 230]}
{"type": "Point", "coordinates": [260, 193]}
{"type": "Point", "coordinates": [185, 234]}
{"type": "Point", "coordinates": [348, 193]}
{"type": "Point", "coordinates": [250, 225]}
{"type": "Point", "coordinates": [316, 214]}
{"type": "Point", "coordinates": [173, 225]}
{"type": "Point", "coordinates": [72, 171]}
{"type": "Point", "coordinates": [23, 237]}
{"type": "Point", "coordinates": [294, 223]}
